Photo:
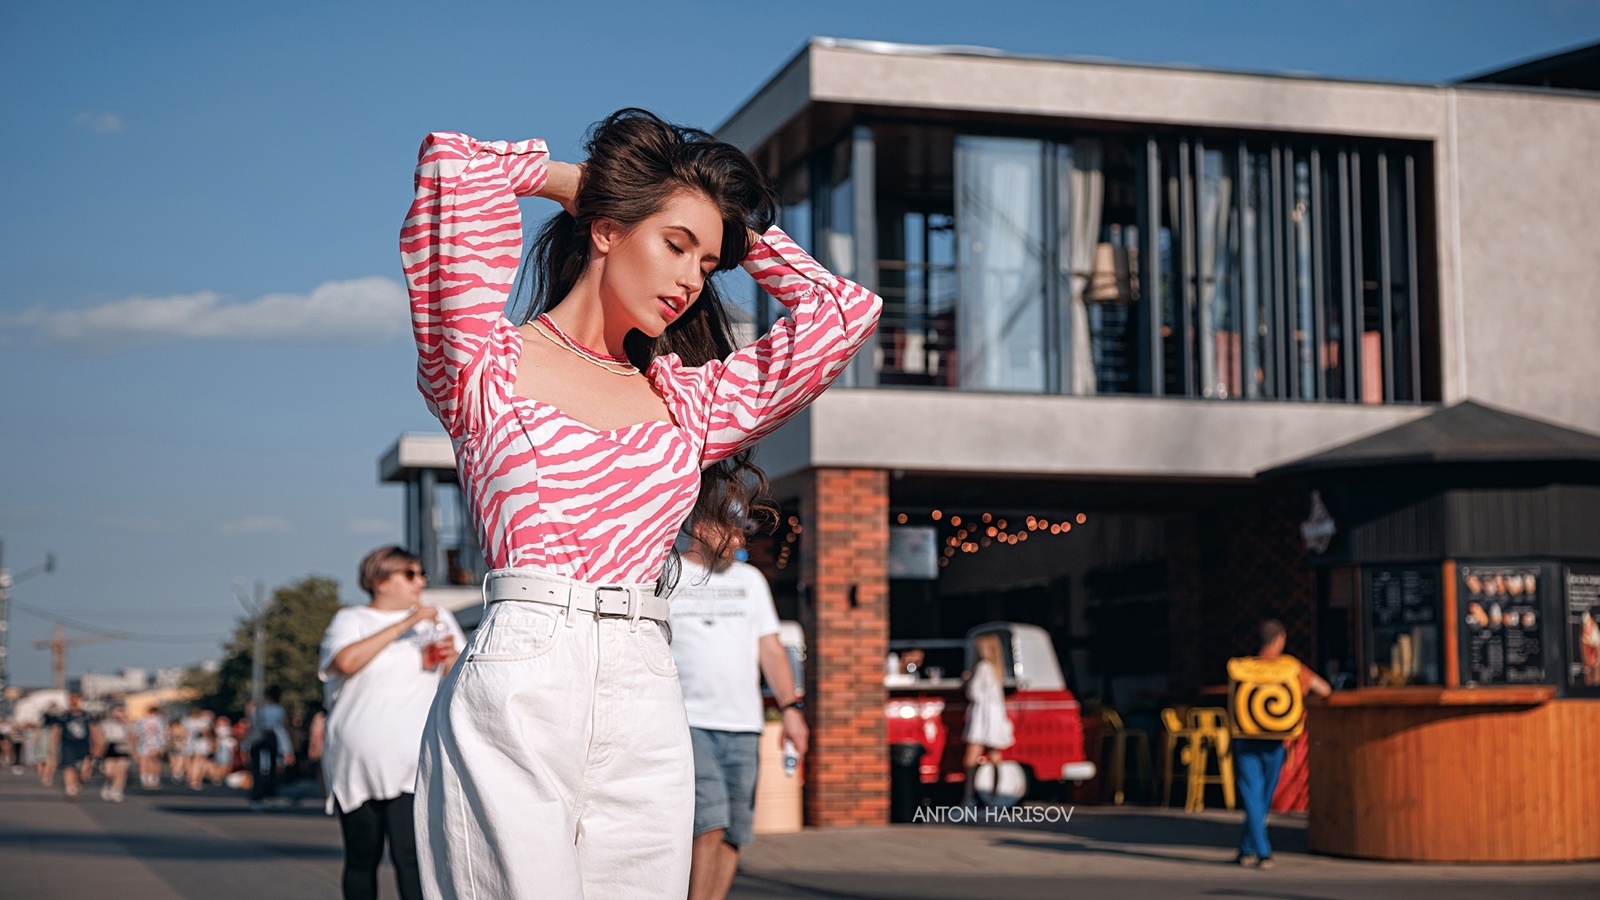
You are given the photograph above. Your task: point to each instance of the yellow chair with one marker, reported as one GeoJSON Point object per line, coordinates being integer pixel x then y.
{"type": "Point", "coordinates": [1176, 731]}
{"type": "Point", "coordinates": [1209, 730]}
{"type": "Point", "coordinates": [1120, 736]}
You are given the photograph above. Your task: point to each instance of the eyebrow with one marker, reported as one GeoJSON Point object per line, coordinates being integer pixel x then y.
{"type": "Point", "coordinates": [695, 240]}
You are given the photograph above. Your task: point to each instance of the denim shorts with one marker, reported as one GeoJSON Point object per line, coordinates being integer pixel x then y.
{"type": "Point", "coordinates": [725, 783]}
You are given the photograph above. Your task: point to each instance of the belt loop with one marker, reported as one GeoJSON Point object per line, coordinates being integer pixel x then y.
{"type": "Point", "coordinates": [572, 600]}
{"type": "Point", "coordinates": [484, 590]}
{"type": "Point", "coordinates": [636, 604]}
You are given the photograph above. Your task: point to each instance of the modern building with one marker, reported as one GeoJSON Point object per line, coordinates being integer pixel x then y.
{"type": "Point", "coordinates": [1116, 296]}
{"type": "Point", "coordinates": [1164, 351]}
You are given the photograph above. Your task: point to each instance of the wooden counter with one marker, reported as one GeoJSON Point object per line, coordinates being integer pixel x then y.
{"type": "Point", "coordinates": [1446, 774]}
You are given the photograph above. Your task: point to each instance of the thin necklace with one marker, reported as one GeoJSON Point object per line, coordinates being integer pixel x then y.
{"type": "Point", "coordinates": [552, 332]}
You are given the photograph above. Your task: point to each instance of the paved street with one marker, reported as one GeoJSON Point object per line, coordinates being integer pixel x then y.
{"type": "Point", "coordinates": [178, 844]}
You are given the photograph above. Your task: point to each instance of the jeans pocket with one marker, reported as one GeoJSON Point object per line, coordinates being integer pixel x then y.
{"type": "Point", "coordinates": [655, 647]}
{"type": "Point", "coordinates": [515, 631]}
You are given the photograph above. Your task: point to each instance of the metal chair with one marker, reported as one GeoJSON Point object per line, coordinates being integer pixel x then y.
{"type": "Point", "coordinates": [1176, 731]}
{"type": "Point", "coordinates": [1209, 730]}
{"type": "Point", "coordinates": [1120, 736]}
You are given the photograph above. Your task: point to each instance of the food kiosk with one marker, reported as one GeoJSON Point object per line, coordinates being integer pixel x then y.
{"type": "Point", "coordinates": [1459, 581]}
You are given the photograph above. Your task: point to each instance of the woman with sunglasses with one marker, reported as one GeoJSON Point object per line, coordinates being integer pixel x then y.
{"type": "Point", "coordinates": [381, 664]}
{"type": "Point", "coordinates": [557, 761]}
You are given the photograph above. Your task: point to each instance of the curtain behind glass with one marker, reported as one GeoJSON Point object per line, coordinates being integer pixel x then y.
{"type": "Point", "coordinates": [1000, 325]}
{"type": "Point", "coordinates": [1081, 201]}
{"type": "Point", "coordinates": [1219, 336]}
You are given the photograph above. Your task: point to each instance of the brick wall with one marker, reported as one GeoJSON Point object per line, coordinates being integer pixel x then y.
{"type": "Point", "coordinates": [844, 607]}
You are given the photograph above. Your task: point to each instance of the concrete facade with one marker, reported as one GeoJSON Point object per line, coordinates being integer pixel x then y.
{"type": "Point", "coordinates": [1516, 265]}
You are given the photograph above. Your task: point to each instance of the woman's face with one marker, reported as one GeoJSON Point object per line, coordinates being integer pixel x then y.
{"type": "Point", "coordinates": [404, 584]}
{"type": "Point", "coordinates": [656, 270]}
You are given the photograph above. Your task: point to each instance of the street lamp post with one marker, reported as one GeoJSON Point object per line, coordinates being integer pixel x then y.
{"type": "Point", "coordinates": [7, 580]}
{"type": "Point", "coordinates": [258, 615]}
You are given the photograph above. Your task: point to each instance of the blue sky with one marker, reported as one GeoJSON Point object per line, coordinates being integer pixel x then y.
{"type": "Point", "coordinates": [202, 336]}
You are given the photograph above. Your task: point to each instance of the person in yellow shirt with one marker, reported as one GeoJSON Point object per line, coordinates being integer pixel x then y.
{"type": "Point", "coordinates": [1257, 762]}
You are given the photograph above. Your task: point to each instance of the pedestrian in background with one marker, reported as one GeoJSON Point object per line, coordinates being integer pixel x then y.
{"type": "Point", "coordinates": [724, 638]}
{"type": "Point", "coordinates": [269, 747]}
{"type": "Point", "coordinates": [382, 664]}
{"type": "Point", "coordinates": [115, 749]}
{"type": "Point", "coordinates": [75, 731]}
{"type": "Point", "coordinates": [151, 745]}
{"type": "Point", "coordinates": [1256, 763]}
{"type": "Point", "coordinates": [989, 729]}
{"type": "Point", "coordinates": [196, 747]}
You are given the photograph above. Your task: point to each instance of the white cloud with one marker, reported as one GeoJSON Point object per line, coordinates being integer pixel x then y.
{"type": "Point", "coordinates": [358, 310]}
{"type": "Point", "coordinates": [257, 525]}
{"type": "Point", "coordinates": [100, 122]}
{"type": "Point", "coordinates": [372, 526]}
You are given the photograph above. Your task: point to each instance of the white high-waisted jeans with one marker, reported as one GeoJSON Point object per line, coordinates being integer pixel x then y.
{"type": "Point", "coordinates": [556, 763]}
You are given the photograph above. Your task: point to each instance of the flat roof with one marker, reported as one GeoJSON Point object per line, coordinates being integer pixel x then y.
{"type": "Point", "coordinates": [784, 81]}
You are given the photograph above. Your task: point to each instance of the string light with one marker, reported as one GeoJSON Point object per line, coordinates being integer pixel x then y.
{"type": "Point", "coordinates": [937, 515]}
{"type": "Point", "coordinates": [1082, 518]}
{"type": "Point", "coordinates": [902, 519]}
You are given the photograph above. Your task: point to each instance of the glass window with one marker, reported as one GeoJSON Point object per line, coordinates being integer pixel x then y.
{"type": "Point", "coordinates": [1000, 323]}
{"type": "Point", "coordinates": [916, 247]}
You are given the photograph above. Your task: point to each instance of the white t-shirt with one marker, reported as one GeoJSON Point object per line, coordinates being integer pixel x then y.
{"type": "Point", "coordinates": [718, 620]}
{"type": "Point", "coordinates": [376, 716]}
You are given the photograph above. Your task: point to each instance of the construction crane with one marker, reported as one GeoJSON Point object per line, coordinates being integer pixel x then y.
{"type": "Point", "coordinates": [58, 644]}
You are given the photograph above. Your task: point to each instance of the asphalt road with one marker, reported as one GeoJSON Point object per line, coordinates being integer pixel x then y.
{"type": "Point", "coordinates": [176, 844]}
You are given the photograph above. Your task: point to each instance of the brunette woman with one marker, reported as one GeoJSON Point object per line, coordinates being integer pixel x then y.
{"type": "Point", "coordinates": [557, 762]}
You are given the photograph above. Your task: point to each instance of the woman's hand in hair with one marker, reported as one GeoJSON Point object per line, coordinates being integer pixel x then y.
{"type": "Point", "coordinates": [562, 183]}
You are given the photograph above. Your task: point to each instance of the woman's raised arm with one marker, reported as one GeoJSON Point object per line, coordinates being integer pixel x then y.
{"type": "Point", "coordinates": [460, 246]}
{"type": "Point", "coordinates": [752, 392]}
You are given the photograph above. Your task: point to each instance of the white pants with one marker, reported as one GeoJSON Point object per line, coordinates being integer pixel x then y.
{"type": "Point", "coordinates": [556, 763]}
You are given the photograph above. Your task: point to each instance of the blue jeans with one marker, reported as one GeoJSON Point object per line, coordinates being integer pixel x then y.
{"type": "Point", "coordinates": [1256, 765]}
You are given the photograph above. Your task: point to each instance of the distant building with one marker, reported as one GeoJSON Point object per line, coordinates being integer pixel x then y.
{"type": "Point", "coordinates": [98, 686]}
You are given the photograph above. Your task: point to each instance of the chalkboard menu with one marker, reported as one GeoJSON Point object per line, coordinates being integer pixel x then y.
{"type": "Point", "coordinates": [1403, 619]}
{"type": "Point", "coordinates": [1502, 617]}
{"type": "Point", "coordinates": [1583, 629]}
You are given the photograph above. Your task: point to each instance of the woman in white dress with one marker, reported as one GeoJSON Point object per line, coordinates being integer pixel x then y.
{"type": "Point", "coordinates": [988, 727]}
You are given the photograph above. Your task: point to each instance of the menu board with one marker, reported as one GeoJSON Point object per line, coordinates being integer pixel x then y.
{"type": "Point", "coordinates": [1583, 628]}
{"type": "Point", "coordinates": [1404, 619]}
{"type": "Point", "coordinates": [1502, 627]}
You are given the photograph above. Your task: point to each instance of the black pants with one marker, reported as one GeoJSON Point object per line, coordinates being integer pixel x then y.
{"type": "Point", "coordinates": [364, 829]}
{"type": "Point", "coordinates": [264, 769]}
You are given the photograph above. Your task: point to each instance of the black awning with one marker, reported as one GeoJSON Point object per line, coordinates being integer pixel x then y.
{"type": "Point", "coordinates": [1468, 433]}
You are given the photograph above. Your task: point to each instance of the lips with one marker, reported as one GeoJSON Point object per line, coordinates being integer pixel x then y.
{"type": "Point", "coordinates": [671, 307]}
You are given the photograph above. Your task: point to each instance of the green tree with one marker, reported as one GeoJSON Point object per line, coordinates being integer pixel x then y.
{"type": "Point", "coordinates": [295, 620]}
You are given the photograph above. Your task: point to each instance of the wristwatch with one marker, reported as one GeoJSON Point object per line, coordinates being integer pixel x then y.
{"type": "Point", "coordinates": [796, 703]}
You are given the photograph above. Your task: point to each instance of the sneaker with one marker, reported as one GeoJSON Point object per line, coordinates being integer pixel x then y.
{"type": "Point", "coordinates": [1264, 863]}
{"type": "Point", "coordinates": [105, 793]}
{"type": "Point", "coordinates": [72, 792]}
{"type": "Point", "coordinates": [116, 796]}
{"type": "Point", "coordinates": [1245, 859]}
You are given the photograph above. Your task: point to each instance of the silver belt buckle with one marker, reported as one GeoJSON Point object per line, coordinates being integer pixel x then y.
{"type": "Point", "coordinates": [609, 607]}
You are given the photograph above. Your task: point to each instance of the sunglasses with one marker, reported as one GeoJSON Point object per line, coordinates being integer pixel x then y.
{"type": "Point", "coordinates": [411, 574]}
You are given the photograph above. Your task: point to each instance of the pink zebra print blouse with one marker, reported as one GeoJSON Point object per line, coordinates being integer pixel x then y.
{"type": "Point", "coordinates": [545, 490]}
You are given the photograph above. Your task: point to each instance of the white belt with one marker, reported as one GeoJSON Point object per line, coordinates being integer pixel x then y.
{"type": "Point", "coordinates": [611, 601]}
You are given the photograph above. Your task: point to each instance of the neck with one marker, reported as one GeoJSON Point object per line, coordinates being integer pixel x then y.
{"type": "Point", "coordinates": [390, 603]}
{"type": "Point", "coordinates": [582, 315]}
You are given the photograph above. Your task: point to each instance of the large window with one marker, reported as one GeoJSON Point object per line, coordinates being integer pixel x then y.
{"type": "Point", "coordinates": [1182, 264]}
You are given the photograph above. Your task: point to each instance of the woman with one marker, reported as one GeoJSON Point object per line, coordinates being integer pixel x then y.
{"type": "Point", "coordinates": [382, 663]}
{"type": "Point", "coordinates": [151, 744]}
{"type": "Point", "coordinates": [116, 748]}
{"type": "Point", "coordinates": [557, 760]}
{"type": "Point", "coordinates": [988, 727]}
{"type": "Point", "coordinates": [196, 746]}
{"type": "Point", "coordinates": [223, 747]}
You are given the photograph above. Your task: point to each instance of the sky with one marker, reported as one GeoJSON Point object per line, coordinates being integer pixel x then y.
{"type": "Point", "coordinates": [203, 344]}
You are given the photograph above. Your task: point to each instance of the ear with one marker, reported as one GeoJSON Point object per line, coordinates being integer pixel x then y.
{"type": "Point", "coordinates": [604, 235]}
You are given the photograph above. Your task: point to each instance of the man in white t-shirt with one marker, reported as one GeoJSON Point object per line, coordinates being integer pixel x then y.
{"type": "Point", "coordinates": [382, 664]}
{"type": "Point", "coordinates": [725, 630]}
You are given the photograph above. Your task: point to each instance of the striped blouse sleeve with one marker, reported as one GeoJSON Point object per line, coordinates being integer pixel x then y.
{"type": "Point", "coordinates": [460, 246]}
{"type": "Point", "coordinates": [758, 388]}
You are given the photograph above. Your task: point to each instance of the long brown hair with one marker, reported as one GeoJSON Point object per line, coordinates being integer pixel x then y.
{"type": "Point", "coordinates": [636, 162]}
